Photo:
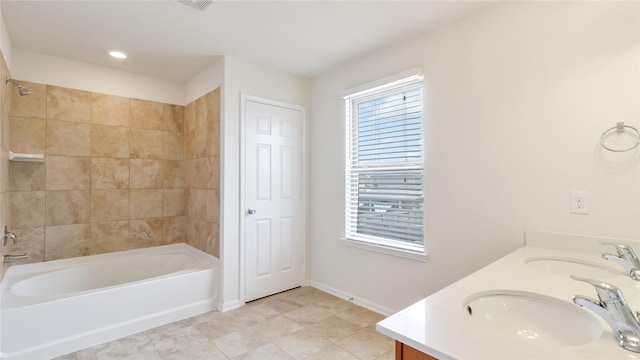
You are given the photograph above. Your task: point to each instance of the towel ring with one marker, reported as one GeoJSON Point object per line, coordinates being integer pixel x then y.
{"type": "Point", "coordinates": [620, 128]}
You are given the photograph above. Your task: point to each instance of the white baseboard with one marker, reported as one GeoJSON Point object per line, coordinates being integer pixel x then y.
{"type": "Point", "coordinates": [352, 298]}
{"type": "Point", "coordinates": [229, 305]}
{"type": "Point", "coordinates": [234, 304]}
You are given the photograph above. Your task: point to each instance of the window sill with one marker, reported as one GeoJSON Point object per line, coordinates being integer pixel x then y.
{"type": "Point", "coordinates": [389, 250]}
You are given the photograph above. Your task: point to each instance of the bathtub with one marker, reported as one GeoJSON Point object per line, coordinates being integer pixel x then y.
{"type": "Point", "coordinates": [57, 307]}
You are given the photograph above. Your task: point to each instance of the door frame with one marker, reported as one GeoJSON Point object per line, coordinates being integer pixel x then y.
{"type": "Point", "coordinates": [244, 98]}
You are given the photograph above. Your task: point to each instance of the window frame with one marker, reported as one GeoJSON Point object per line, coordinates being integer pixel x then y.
{"type": "Point", "coordinates": [369, 242]}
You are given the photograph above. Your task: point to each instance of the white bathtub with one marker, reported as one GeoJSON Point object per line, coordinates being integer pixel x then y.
{"type": "Point", "coordinates": [57, 307]}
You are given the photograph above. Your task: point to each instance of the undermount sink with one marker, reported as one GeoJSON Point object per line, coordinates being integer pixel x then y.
{"type": "Point", "coordinates": [533, 318]}
{"type": "Point", "coordinates": [566, 266]}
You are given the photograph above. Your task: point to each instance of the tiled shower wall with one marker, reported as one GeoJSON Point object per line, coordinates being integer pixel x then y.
{"type": "Point", "coordinates": [4, 150]}
{"type": "Point", "coordinates": [202, 180]}
{"type": "Point", "coordinates": [114, 175]}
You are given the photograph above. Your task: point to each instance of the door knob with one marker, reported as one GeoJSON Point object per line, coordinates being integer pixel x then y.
{"type": "Point", "coordinates": [251, 211]}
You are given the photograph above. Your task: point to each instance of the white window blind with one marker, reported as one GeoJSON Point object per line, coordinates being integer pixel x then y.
{"type": "Point", "coordinates": [385, 165]}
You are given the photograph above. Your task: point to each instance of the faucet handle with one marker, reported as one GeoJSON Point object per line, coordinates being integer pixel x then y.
{"type": "Point", "coordinates": [8, 235]}
{"type": "Point", "coordinates": [607, 293]}
{"type": "Point", "coordinates": [624, 251]}
{"type": "Point", "coordinates": [626, 258]}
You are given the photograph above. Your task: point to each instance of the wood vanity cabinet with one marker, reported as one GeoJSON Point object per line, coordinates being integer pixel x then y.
{"type": "Point", "coordinates": [406, 352]}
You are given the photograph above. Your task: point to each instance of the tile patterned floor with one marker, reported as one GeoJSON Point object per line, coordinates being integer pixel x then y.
{"type": "Point", "coordinates": [303, 323]}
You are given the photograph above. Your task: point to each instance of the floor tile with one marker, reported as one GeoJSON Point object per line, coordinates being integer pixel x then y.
{"type": "Point", "coordinates": [336, 305]}
{"type": "Point", "coordinates": [283, 305]}
{"type": "Point", "coordinates": [389, 355]}
{"type": "Point", "coordinates": [367, 343]}
{"type": "Point", "coordinates": [309, 314]}
{"type": "Point", "coordinates": [277, 327]}
{"type": "Point", "coordinates": [240, 342]}
{"type": "Point", "coordinates": [216, 324]}
{"type": "Point", "coordinates": [333, 352]}
{"type": "Point", "coordinates": [265, 352]}
{"type": "Point", "coordinates": [360, 316]}
{"type": "Point", "coordinates": [253, 314]}
{"type": "Point", "coordinates": [302, 344]}
{"type": "Point", "coordinates": [334, 328]}
{"type": "Point", "coordinates": [204, 350]}
{"type": "Point", "coordinates": [86, 354]}
{"type": "Point", "coordinates": [134, 347]}
{"type": "Point", "coordinates": [182, 340]}
{"type": "Point", "coordinates": [300, 324]}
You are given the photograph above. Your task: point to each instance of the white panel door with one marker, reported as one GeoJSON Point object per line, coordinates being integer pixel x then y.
{"type": "Point", "coordinates": [274, 212]}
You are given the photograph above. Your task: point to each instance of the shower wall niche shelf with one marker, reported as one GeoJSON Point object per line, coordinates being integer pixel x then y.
{"type": "Point", "coordinates": [26, 157]}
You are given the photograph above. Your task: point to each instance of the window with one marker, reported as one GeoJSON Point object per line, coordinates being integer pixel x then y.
{"type": "Point", "coordinates": [385, 165]}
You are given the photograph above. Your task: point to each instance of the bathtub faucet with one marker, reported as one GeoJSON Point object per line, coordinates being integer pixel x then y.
{"type": "Point", "coordinates": [15, 258]}
{"type": "Point", "coordinates": [612, 307]}
{"type": "Point", "coordinates": [626, 258]}
{"type": "Point", "coordinates": [8, 235]}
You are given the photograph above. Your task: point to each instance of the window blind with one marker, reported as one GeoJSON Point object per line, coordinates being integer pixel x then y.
{"type": "Point", "coordinates": [384, 165]}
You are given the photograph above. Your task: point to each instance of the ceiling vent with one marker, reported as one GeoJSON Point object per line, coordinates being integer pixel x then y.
{"type": "Point", "coordinates": [201, 5]}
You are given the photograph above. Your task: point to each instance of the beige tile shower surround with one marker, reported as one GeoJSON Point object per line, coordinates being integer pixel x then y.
{"type": "Point", "coordinates": [4, 152]}
{"type": "Point", "coordinates": [119, 173]}
{"type": "Point", "coordinates": [303, 323]}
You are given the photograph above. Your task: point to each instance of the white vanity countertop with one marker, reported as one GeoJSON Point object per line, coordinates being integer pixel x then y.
{"type": "Point", "coordinates": [440, 325]}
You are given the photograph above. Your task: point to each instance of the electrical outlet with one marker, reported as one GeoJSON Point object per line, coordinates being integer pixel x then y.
{"type": "Point", "coordinates": [579, 202]}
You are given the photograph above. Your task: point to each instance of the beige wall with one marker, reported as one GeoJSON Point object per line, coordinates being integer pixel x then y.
{"type": "Point", "coordinates": [113, 177]}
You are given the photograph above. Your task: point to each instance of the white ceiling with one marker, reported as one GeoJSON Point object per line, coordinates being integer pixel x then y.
{"type": "Point", "coordinates": [168, 40]}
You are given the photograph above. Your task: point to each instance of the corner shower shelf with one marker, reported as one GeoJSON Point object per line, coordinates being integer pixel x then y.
{"type": "Point", "coordinates": [26, 157]}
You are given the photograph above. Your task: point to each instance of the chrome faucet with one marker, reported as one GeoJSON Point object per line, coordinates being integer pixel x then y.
{"type": "Point", "coordinates": [15, 258]}
{"type": "Point", "coordinates": [626, 257]}
{"type": "Point", "coordinates": [8, 235]}
{"type": "Point", "coordinates": [612, 307]}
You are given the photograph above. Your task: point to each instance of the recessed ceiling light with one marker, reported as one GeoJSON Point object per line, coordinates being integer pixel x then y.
{"type": "Point", "coordinates": [201, 5]}
{"type": "Point", "coordinates": [117, 54]}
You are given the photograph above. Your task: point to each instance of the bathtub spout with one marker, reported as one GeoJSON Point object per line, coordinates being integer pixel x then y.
{"type": "Point", "coordinates": [15, 258]}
